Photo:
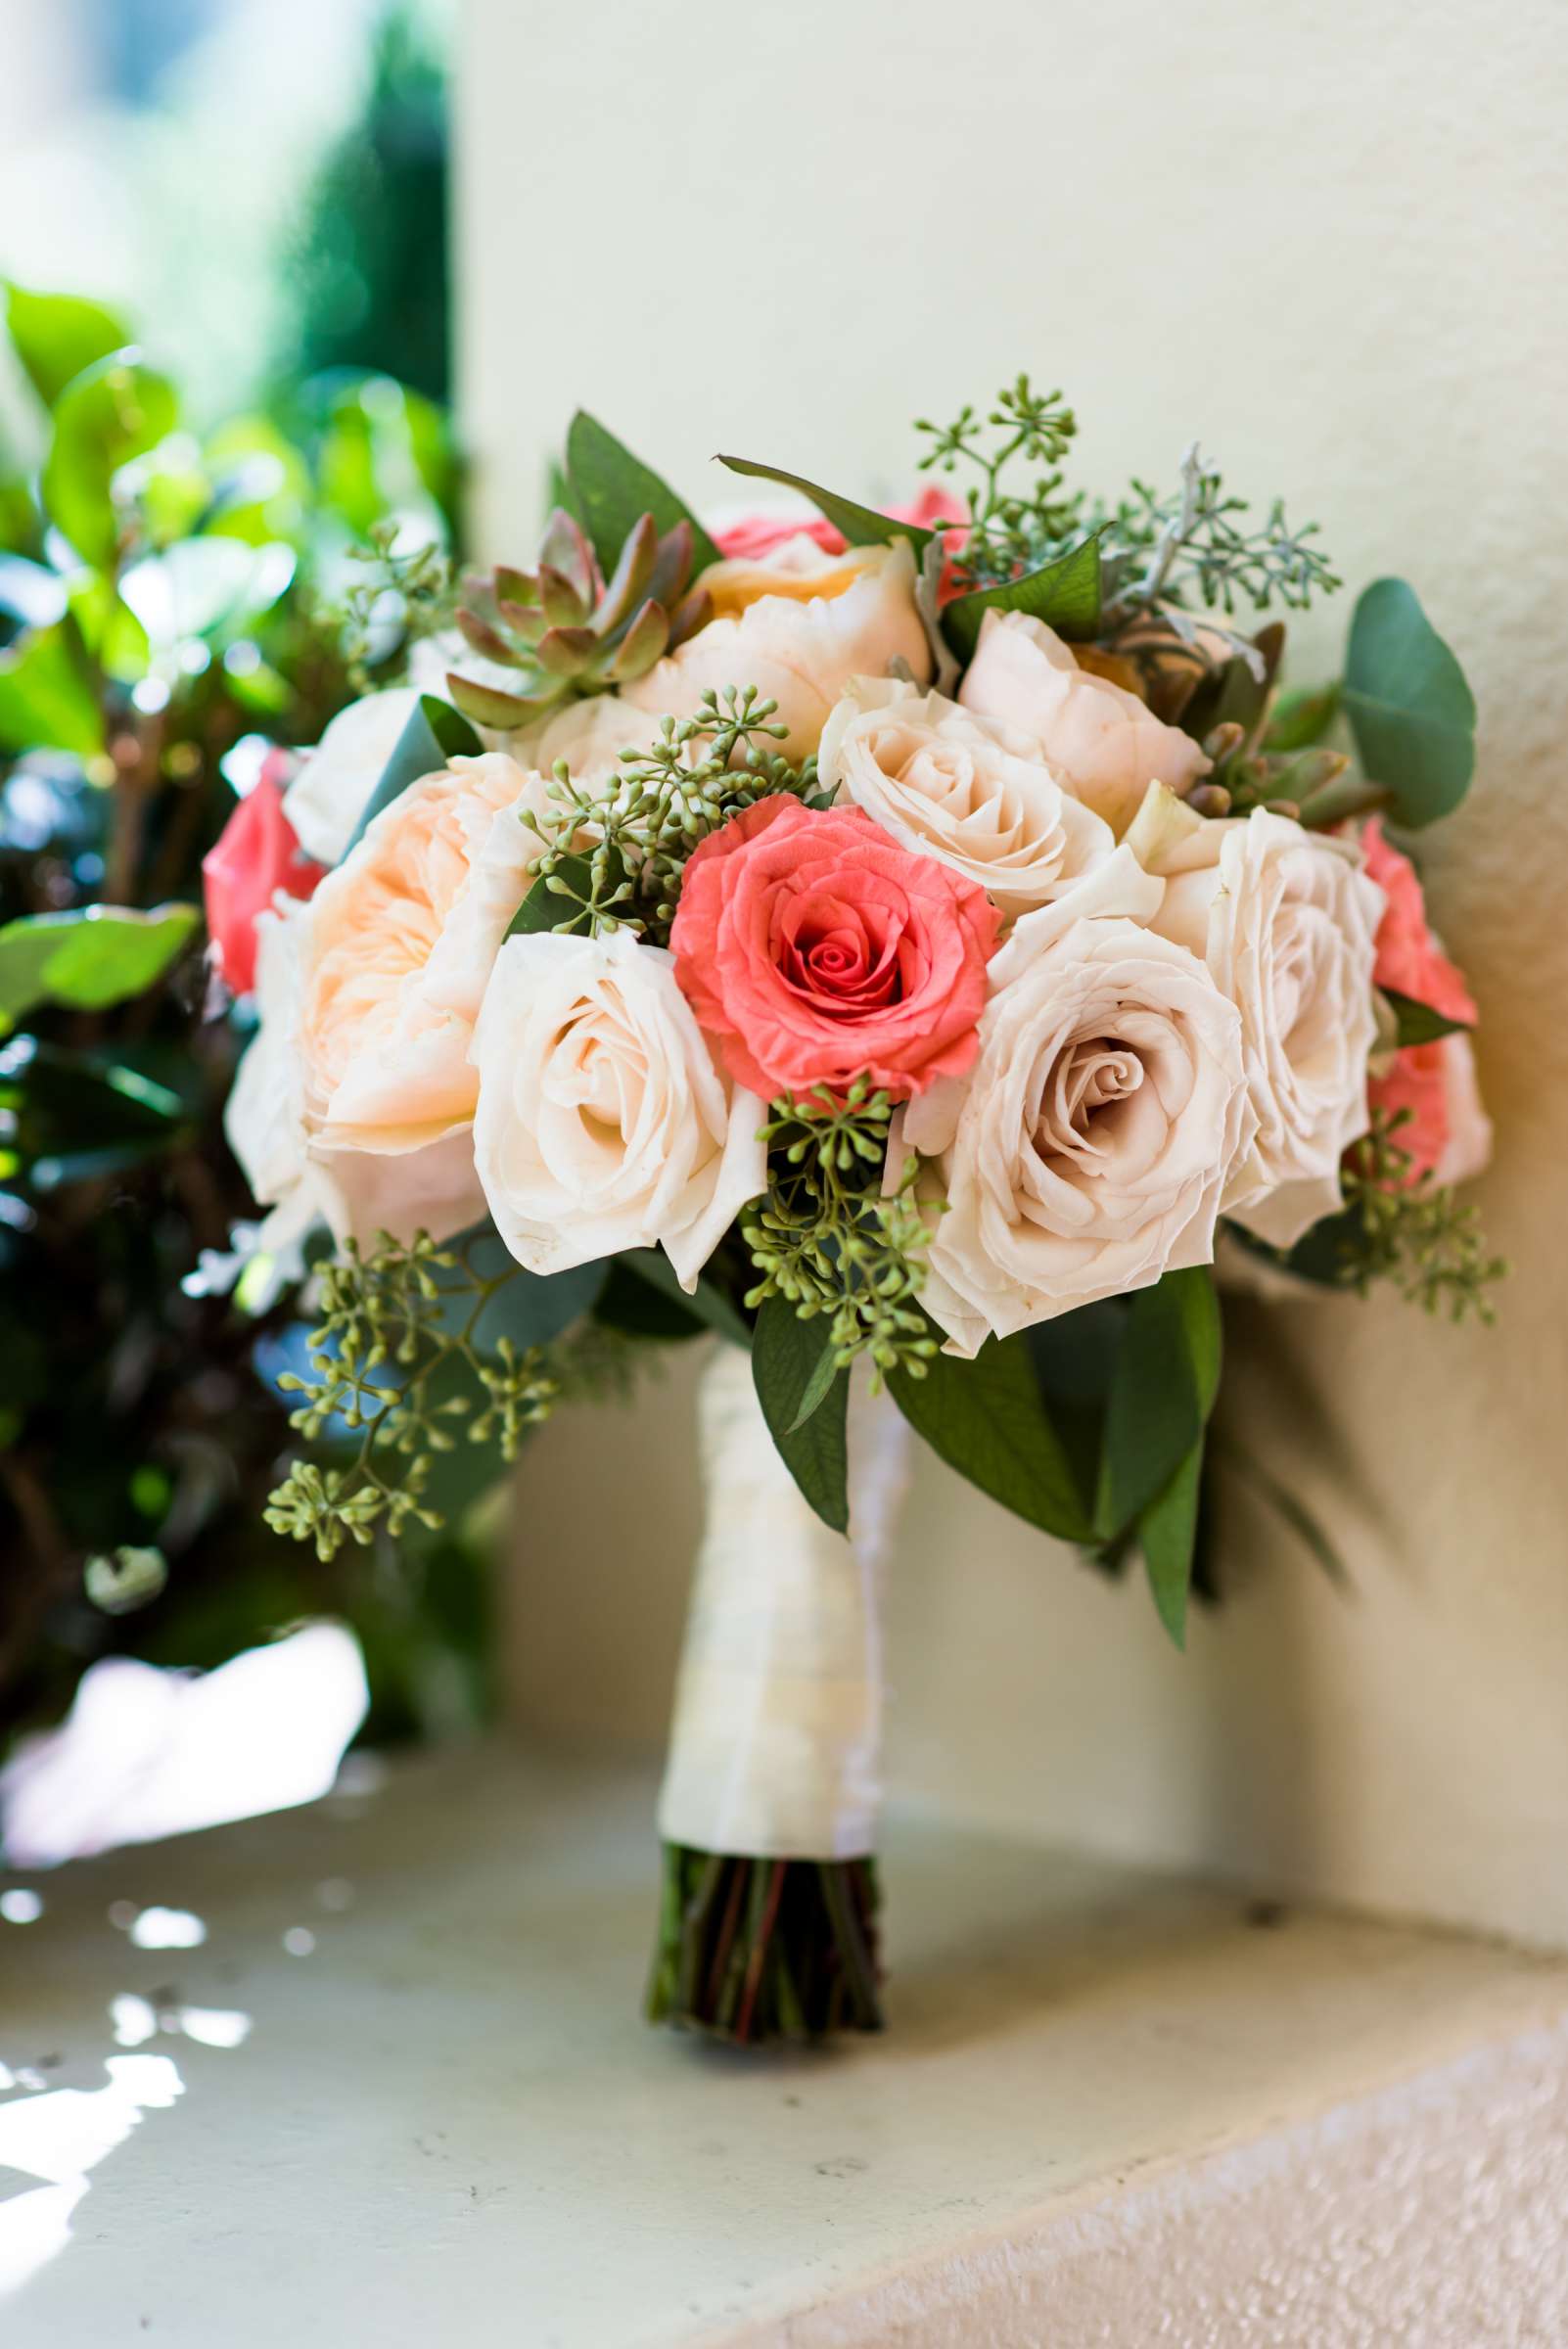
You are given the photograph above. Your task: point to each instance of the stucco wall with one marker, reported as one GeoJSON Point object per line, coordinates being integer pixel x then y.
{"type": "Point", "coordinates": [1333, 240]}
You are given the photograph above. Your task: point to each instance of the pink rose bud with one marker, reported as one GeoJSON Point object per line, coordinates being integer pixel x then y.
{"type": "Point", "coordinates": [255, 855]}
{"type": "Point", "coordinates": [752, 537]}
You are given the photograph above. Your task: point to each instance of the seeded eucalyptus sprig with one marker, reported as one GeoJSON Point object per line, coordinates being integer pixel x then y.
{"type": "Point", "coordinates": [389, 1342]}
{"type": "Point", "coordinates": [827, 1239]}
{"type": "Point", "coordinates": [614, 851]}
{"type": "Point", "coordinates": [1416, 1234]}
{"type": "Point", "coordinates": [1010, 531]}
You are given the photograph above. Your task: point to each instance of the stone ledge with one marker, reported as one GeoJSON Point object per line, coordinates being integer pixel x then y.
{"type": "Point", "coordinates": [1113, 2105]}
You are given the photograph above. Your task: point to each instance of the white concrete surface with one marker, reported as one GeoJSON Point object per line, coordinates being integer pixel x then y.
{"type": "Point", "coordinates": [406, 2100]}
{"type": "Point", "coordinates": [1330, 240]}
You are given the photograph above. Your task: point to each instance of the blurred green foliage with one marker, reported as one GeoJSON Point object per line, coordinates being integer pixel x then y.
{"type": "Point", "coordinates": [171, 602]}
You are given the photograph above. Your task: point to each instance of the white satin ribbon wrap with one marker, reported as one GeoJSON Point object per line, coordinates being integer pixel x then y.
{"type": "Point", "coordinates": [775, 1751]}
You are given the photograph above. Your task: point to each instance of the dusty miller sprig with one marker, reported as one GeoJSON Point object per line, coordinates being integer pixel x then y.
{"type": "Point", "coordinates": [828, 1239]}
{"type": "Point", "coordinates": [376, 1355]}
{"type": "Point", "coordinates": [1164, 552]}
{"type": "Point", "coordinates": [614, 851]}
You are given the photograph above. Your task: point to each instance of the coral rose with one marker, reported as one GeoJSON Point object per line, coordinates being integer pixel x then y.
{"type": "Point", "coordinates": [813, 950]}
{"type": "Point", "coordinates": [1409, 959]}
{"type": "Point", "coordinates": [1447, 1133]}
{"type": "Point", "coordinates": [256, 855]}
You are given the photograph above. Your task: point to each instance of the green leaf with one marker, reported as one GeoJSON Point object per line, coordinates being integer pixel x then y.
{"type": "Point", "coordinates": [707, 1301]}
{"type": "Point", "coordinates": [1166, 1376]}
{"type": "Point", "coordinates": [787, 1356]}
{"type": "Point", "coordinates": [1418, 1023]}
{"type": "Point", "coordinates": [436, 732]}
{"type": "Point", "coordinates": [116, 410]}
{"type": "Point", "coordinates": [613, 490]}
{"type": "Point", "coordinates": [46, 695]}
{"type": "Point", "coordinates": [1409, 708]}
{"type": "Point", "coordinates": [1065, 594]}
{"type": "Point", "coordinates": [860, 524]}
{"type": "Point", "coordinates": [1302, 718]}
{"type": "Point", "coordinates": [1168, 1532]}
{"type": "Point", "coordinates": [90, 960]}
{"type": "Point", "coordinates": [988, 1419]}
{"type": "Point", "coordinates": [641, 1311]}
{"type": "Point", "coordinates": [56, 336]}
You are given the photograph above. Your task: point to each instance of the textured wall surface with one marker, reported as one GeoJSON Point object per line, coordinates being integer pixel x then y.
{"type": "Point", "coordinates": [1332, 239]}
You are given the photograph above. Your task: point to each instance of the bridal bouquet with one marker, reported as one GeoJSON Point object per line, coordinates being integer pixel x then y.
{"type": "Point", "coordinates": [922, 947]}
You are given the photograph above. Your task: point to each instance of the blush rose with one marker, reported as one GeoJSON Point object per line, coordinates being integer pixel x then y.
{"type": "Point", "coordinates": [814, 949]}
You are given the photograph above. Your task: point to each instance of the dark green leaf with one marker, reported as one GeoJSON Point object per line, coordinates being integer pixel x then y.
{"type": "Point", "coordinates": [1418, 1023]}
{"type": "Point", "coordinates": [56, 336]}
{"type": "Point", "coordinates": [1409, 708]}
{"type": "Point", "coordinates": [435, 733]}
{"type": "Point", "coordinates": [1301, 718]}
{"type": "Point", "coordinates": [1065, 594]}
{"type": "Point", "coordinates": [860, 524]}
{"type": "Point", "coordinates": [547, 908]}
{"type": "Point", "coordinates": [1167, 1377]}
{"type": "Point", "coordinates": [787, 1354]}
{"type": "Point", "coordinates": [641, 1311]}
{"type": "Point", "coordinates": [988, 1418]}
{"type": "Point", "coordinates": [116, 410]}
{"type": "Point", "coordinates": [613, 490]}
{"type": "Point", "coordinates": [88, 959]}
{"type": "Point", "coordinates": [707, 1301]}
{"type": "Point", "coordinates": [1168, 1530]}
{"type": "Point", "coordinates": [46, 695]}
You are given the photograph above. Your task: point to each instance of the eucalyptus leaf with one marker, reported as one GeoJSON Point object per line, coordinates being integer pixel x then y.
{"type": "Point", "coordinates": [1410, 710]}
{"type": "Point", "coordinates": [87, 960]}
{"type": "Point", "coordinates": [1166, 1376]}
{"type": "Point", "coordinates": [988, 1418]}
{"type": "Point", "coordinates": [435, 733]}
{"type": "Point", "coordinates": [55, 336]}
{"type": "Point", "coordinates": [861, 525]}
{"type": "Point", "coordinates": [117, 409]}
{"type": "Point", "coordinates": [787, 1357]}
{"type": "Point", "coordinates": [1418, 1023]}
{"type": "Point", "coordinates": [613, 489]}
{"type": "Point", "coordinates": [1168, 1532]}
{"type": "Point", "coordinates": [1065, 594]}
{"type": "Point", "coordinates": [528, 1307]}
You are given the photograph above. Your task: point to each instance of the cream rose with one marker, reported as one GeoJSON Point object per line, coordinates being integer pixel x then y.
{"type": "Point", "coordinates": [329, 795]}
{"type": "Point", "coordinates": [1286, 920]}
{"type": "Point", "coordinates": [355, 1099]}
{"type": "Point", "coordinates": [603, 1122]}
{"type": "Point", "coordinates": [798, 626]}
{"type": "Point", "coordinates": [1086, 1152]}
{"type": "Point", "coordinates": [950, 785]}
{"type": "Point", "coordinates": [1098, 738]}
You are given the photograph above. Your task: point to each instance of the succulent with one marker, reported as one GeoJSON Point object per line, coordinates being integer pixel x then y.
{"type": "Point", "coordinates": [566, 632]}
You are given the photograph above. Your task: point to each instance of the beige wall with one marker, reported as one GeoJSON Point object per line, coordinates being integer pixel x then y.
{"type": "Point", "coordinates": [1334, 240]}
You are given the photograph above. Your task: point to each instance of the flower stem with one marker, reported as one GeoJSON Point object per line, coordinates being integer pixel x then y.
{"type": "Point", "coordinates": [752, 1951]}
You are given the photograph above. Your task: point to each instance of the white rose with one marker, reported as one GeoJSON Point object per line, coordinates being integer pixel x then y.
{"type": "Point", "coordinates": [603, 1122]}
{"type": "Point", "coordinates": [949, 785]}
{"type": "Point", "coordinates": [1286, 920]}
{"type": "Point", "coordinates": [1086, 1152]}
{"type": "Point", "coordinates": [797, 626]}
{"type": "Point", "coordinates": [355, 1099]}
{"type": "Point", "coordinates": [1101, 739]}
{"type": "Point", "coordinates": [328, 796]}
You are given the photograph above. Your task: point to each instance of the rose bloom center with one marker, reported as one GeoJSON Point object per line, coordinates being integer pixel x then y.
{"type": "Point", "coordinates": [842, 958]}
